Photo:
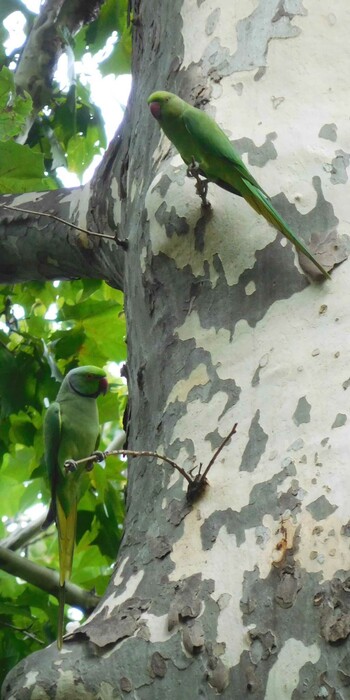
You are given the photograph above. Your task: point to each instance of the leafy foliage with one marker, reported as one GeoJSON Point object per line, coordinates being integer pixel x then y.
{"type": "Point", "coordinates": [88, 328]}
{"type": "Point", "coordinates": [21, 169]}
{"type": "Point", "coordinates": [45, 330]}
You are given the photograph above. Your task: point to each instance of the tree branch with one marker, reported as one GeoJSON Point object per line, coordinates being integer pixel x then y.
{"type": "Point", "coordinates": [45, 45]}
{"type": "Point", "coordinates": [45, 579]}
{"type": "Point", "coordinates": [20, 537]}
{"type": "Point", "coordinates": [38, 248]}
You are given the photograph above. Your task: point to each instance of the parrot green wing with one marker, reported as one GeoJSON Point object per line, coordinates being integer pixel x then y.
{"type": "Point", "coordinates": [221, 164]}
{"type": "Point", "coordinates": [215, 146]}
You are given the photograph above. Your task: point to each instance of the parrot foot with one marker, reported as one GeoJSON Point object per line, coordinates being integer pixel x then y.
{"type": "Point", "coordinates": [70, 466]}
{"type": "Point", "coordinates": [193, 170]}
{"type": "Point", "coordinates": [98, 456]}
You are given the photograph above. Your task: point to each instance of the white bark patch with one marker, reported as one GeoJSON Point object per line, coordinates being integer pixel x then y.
{"type": "Point", "coordinates": [289, 370]}
{"type": "Point", "coordinates": [199, 377]}
{"type": "Point", "coordinates": [318, 87]}
{"type": "Point", "coordinates": [116, 201]}
{"type": "Point", "coordinates": [30, 679]}
{"type": "Point", "coordinates": [157, 627]}
{"type": "Point", "coordinates": [234, 232]}
{"type": "Point", "coordinates": [284, 675]}
{"type": "Point", "coordinates": [225, 26]}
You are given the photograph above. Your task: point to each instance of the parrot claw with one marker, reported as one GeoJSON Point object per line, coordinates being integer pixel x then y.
{"type": "Point", "coordinates": [193, 170]}
{"type": "Point", "coordinates": [98, 456]}
{"type": "Point", "coordinates": [70, 466]}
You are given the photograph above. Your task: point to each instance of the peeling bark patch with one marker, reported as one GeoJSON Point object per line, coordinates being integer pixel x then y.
{"type": "Point", "coordinates": [218, 674]}
{"type": "Point", "coordinates": [302, 412]}
{"type": "Point", "coordinates": [263, 644]}
{"type": "Point", "coordinates": [186, 603]}
{"type": "Point", "coordinates": [193, 637]}
{"type": "Point", "coordinates": [273, 626]}
{"type": "Point", "coordinates": [321, 508]}
{"type": "Point", "coordinates": [172, 223]}
{"type": "Point", "coordinates": [109, 627]}
{"type": "Point", "coordinates": [340, 420]}
{"type": "Point", "coordinates": [156, 548]}
{"type": "Point", "coordinates": [288, 587]}
{"type": "Point", "coordinates": [249, 516]}
{"type": "Point", "coordinates": [328, 131]}
{"type": "Point", "coordinates": [255, 447]}
{"type": "Point", "coordinates": [125, 684]}
{"type": "Point", "coordinates": [158, 665]}
{"type": "Point", "coordinates": [334, 603]}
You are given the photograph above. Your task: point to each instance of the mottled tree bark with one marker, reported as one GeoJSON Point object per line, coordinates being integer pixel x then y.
{"type": "Point", "coordinates": [246, 593]}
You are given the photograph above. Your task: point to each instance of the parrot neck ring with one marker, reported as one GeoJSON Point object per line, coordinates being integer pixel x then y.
{"type": "Point", "coordinates": [90, 396]}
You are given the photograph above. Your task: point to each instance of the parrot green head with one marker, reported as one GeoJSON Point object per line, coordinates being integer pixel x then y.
{"type": "Point", "coordinates": [88, 381]}
{"type": "Point", "coordinates": [165, 104]}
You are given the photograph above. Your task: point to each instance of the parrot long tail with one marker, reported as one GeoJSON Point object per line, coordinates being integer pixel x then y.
{"type": "Point", "coordinates": [60, 623]}
{"type": "Point", "coordinates": [66, 526]}
{"type": "Point", "coordinates": [263, 206]}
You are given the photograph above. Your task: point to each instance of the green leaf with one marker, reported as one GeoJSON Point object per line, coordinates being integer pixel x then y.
{"type": "Point", "coordinates": [22, 170]}
{"type": "Point", "coordinates": [14, 109]}
{"type": "Point", "coordinates": [118, 62]}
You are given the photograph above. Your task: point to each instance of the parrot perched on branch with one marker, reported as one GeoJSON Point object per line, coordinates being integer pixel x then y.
{"type": "Point", "coordinates": [208, 152]}
{"type": "Point", "coordinates": [71, 431]}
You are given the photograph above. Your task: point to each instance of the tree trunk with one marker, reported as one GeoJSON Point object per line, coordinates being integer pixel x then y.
{"type": "Point", "coordinates": [246, 592]}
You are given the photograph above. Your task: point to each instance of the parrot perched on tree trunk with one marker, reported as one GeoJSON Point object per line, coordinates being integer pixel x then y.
{"type": "Point", "coordinates": [71, 432]}
{"type": "Point", "coordinates": [208, 152]}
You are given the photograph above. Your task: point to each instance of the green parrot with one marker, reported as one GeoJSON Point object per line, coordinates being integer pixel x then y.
{"type": "Point", "coordinates": [208, 152]}
{"type": "Point", "coordinates": [71, 431]}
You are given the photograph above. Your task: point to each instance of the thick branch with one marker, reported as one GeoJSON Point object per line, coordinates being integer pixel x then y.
{"type": "Point", "coordinates": [40, 248]}
{"type": "Point", "coordinates": [20, 537]}
{"type": "Point", "coordinates": [46, 579]}
{"type": "Point", "coordinates": [45, 44]}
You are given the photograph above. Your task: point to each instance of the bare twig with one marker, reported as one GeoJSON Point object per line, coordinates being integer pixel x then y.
{"type": "Point", "coordinates": [122, 244]}
{"type": "Point", "coordinates": [99, 456]}
{"type": "Point", "coordinates": [217, 452]}
{"type": "Point", "coordinates": [196, 485]}
{"type": "Point", "coordinates": [23, 631]}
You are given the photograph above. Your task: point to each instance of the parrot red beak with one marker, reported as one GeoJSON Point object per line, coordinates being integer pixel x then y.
{"type": "Point", "coordinates": [155, 109]}
{"type": "Point", "coordinates": [103, 385]}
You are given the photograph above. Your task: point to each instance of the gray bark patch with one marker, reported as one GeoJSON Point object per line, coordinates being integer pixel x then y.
{"type": "Point", "coordinates": [329, 132]}
{"type": "Point", "coordinates": [339, 168]}
{"type": "Point", "coordinates": [255, 447]}
{"type": "Point", "coordinates": [171, 221]}
{"type": "Point", "coordinates": [340, 420]}
{"type": "Point", "coordinates": [302, 412]}
{"type": "Point", "coordinates": [321, 508]}
{"type": "Point", "coordinates": [250, 516]}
